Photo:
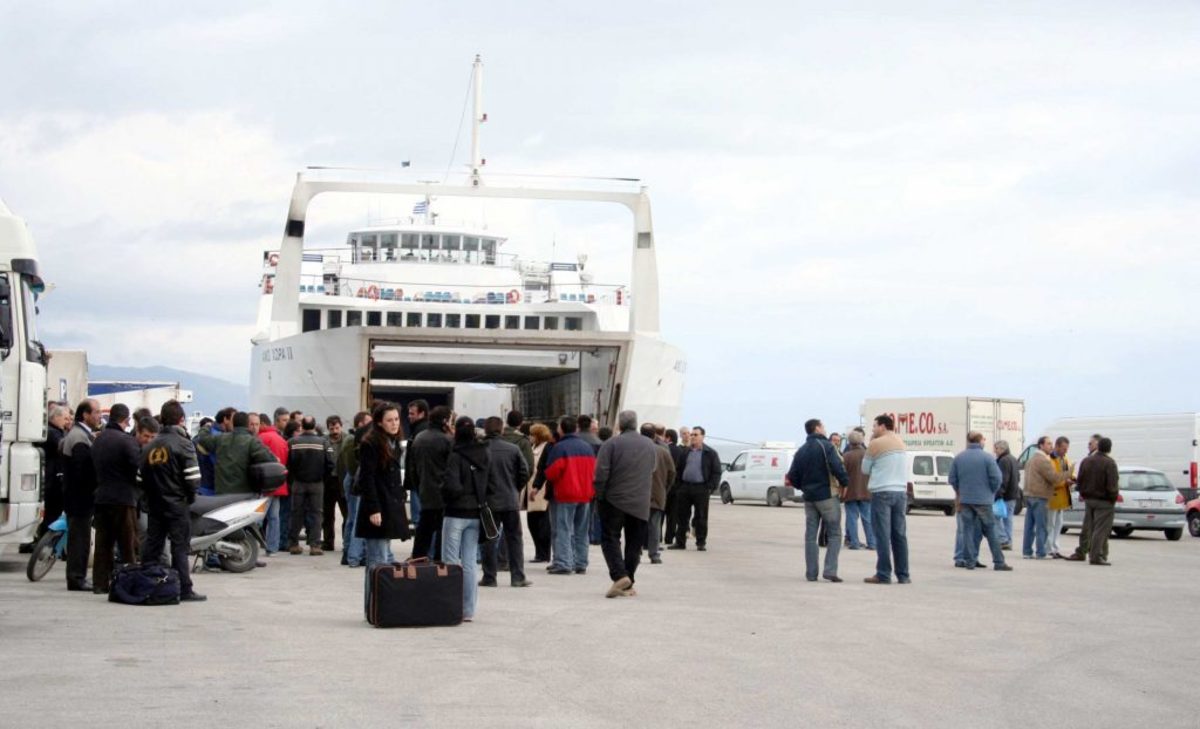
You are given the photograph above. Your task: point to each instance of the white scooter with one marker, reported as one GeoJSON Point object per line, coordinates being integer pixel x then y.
{"type": "Point", "coordinates": [228, 527]}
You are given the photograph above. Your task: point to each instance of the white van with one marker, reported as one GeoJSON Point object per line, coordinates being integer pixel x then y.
{"type": "Point", "coordinates": [929, 481]}
{"type": "Point", "coordinates": [1169, 443]}
{"type": "Point", "coordinates": [759, 474]}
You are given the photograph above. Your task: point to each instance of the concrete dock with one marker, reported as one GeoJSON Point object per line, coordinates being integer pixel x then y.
{"type": "Point", "coordinates": [731, 637]}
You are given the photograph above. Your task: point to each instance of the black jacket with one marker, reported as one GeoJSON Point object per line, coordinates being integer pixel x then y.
{"type": "Point", "coordinates": [813, 464]}
{"type": "Point", "coordinates": [1010, 477]}
{"type": "Point", "coordinates": [466, 479]}
{"type": "Point", "coordinates": [411, 478]}
{"type": "Point", "coordinates": [1098, 478]}
{"type": "Point", "coordinates": [382, 493]}
{"type": "Point", "coordinates": [79, 474]}
{"type": "Point", "coordinates": [309, 459]}
{"type": "Point", "coordinates": [115, 456]}
{"type": "Point", "coordinates": [508, 473]}
{"type": "Point", "coordinates": [539, 478]}
{"type": "Point", "coordinates": [426, 468]}
{"type": "Point", "coordinates": [52, 463]}
{"type": "Point", "coordinates": [169, 472]}
{"type": "Point", "coordinates": [710, 463]}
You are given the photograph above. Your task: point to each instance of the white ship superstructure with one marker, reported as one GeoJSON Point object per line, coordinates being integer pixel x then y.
{"type": "Point", "coordinates": [423, 308]}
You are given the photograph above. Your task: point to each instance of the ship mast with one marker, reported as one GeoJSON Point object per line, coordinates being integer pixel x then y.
{"type": "Point", "coordinates": [478, 117]}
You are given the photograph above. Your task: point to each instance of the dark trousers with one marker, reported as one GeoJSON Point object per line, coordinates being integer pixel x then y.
{"type": "Point", "coordinates": [332, 499]}
{"type": "Point", "coordinates": [539, 530]}
{"type": "Point", "coordinates": [669, 516]}
{"type": "Point", "coordinates": [175, 525]}
{"type": "Point", "coordinates": [307, 500]}
{"type": "Point", "coordinates": [428, 540]}
{"type": "Point", "coordinates": [79, 547]}
{"type": "Point", "coordinates": [116, 526]}
{"type": "Point", "coordinates": [51, 508]}
{"type": "Point", "coordinates": [692, 496]}
{"type": "Point", "coordinates": [513, 538]}
{"type": "Point", "coordinates": [621, 562]}
{"type": "Point", "coordinates": [1097, 525]}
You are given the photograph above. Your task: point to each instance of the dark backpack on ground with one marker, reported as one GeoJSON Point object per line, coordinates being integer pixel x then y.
{"type": "Point", "coordinates": [144, 584]}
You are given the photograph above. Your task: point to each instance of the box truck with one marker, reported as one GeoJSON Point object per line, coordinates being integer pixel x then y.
{"type": "Point", "coordinates": [942, 423]}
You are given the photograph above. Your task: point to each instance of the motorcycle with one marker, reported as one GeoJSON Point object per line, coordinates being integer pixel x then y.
{"type": "Point", "coordinates": [224, 527]}
{"type": "Point", "coordinates": [227, 527]}
{"type": "Point", "coordinates": [51, 547]}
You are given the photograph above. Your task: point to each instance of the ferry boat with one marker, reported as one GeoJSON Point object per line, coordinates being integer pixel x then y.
{"type": "Point", "coordinates": [419, 308]}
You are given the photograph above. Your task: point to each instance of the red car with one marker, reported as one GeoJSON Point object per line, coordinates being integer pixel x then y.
{"type": "Point", "coordinates": [1193, 516]}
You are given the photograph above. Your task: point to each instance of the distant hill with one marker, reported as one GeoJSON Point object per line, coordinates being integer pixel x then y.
{"type": "Point", "coordinates": [210, 394]}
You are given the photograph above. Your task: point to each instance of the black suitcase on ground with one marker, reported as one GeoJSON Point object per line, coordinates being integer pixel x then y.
{"type": "Point", "coordinates": [415, 594]}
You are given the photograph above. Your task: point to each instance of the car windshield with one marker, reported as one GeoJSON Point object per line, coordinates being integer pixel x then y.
{"type": "Point", "coordinates": [1142, 481]}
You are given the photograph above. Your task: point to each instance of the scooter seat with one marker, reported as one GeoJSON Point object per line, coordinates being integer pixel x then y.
{"type": "Point", "coordinates": [205, 504]}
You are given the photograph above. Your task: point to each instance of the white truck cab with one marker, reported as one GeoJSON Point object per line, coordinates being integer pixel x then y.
{"type": "Point", "coordinates": [929, 481]}
{"type": "Point", "coordinates": [759, 475]}
{"type": "Point", "coordinates": [22, 383]}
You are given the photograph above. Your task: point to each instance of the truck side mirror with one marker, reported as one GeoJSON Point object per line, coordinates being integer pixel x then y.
{"type": "Point", "coordinates": [6, 319]}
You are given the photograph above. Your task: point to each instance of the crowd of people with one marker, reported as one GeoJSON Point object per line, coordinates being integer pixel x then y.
{"type": "Point", "coordinates": [870, 481]}
{"type": "Point", "coordinates": [456, 487]}
{"type": "Point", "coordinates": [439, 484]}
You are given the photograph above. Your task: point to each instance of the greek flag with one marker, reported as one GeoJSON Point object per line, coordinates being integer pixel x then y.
{"type": "Point", "coordinates": [421, 208]}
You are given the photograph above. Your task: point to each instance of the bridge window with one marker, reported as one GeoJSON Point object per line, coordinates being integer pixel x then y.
{"type": "Point", "coordinates": [429, 242]}
{"type": "Point", "coordinates": [472, 321]}
{"type": "Point", "coordinates": [374, 318]}
{"type": "Point", "coordinates": [395, 319]}
{"type": "Point", "coordinates": [532, 322]}
{"type": "Point", "coordinates": [453, 321]}
{"type": "Point", "coordinates": [489, 251]}
{"type": "Point", "coordinates": [433, 320]}
{"type": "Point", "coordinates": [512, 322]}
{"type": "Point", "coordinates": [412, 319]}
{"type": "Point", "coordinates": [311, 320]}
{"type": "Point", "coordinates": [354, 318]}
{"type": "Point", "coordinates": [550, 323]}
{"type": "Point", "coordinates": [573, 323]}
{"type": "Point", "coordinates": [334, 319]}
{"type": "Point", "coordinates": [492, 321]}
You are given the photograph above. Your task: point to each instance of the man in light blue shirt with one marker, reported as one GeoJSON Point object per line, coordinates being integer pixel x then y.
{"type": "Point", "coordinates": [886, 463]}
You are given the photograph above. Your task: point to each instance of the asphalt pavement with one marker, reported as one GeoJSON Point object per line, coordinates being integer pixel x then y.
{"type": "Point", "coordinates": [729, 637]}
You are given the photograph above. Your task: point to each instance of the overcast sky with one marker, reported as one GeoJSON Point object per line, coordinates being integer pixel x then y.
{"type": "Point", "coordinates": [848, 203]}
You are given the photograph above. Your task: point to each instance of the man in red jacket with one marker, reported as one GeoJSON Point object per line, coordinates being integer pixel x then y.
{"type": "Point", "coordinates": [570, 469]}
{"type": "Point", "coordinates": [260, 425]}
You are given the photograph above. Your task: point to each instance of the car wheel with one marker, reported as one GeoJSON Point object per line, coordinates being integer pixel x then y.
{"type": "Point", "coordinates": [726, 494]}
{"type": "Point", "coordinates": [1123, 532]}
{"type": "Point", "coordinates": [1173, 535]}
{"type": "Point", "coordinates": [1194, 523]}
{"type": "Point", "coordinates": [1063, 530]}
{"type": "Point", "coordinates": [773, 497]}
{"type": "Point", "coordinates": [948, 510]}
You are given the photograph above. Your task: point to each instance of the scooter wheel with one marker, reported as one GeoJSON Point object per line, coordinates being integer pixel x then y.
{"type": "Point", "coordinates": [43, 556]}
{"type": "Point", "coordinates": [249, 557]}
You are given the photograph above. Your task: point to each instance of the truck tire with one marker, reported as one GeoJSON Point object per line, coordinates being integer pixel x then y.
{"type": "Point", "coordinates": [726, 494]}
{"type": "Point", "coordinates": [1173, 535]}
{"type": "Point", "coordinates": [773, 497]}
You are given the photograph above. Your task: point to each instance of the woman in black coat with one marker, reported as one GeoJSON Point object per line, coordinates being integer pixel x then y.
{"type": "Point", "coordinates": [381, 513]}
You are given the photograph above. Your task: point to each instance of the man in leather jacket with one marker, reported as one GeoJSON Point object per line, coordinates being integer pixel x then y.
{"type": "Point", "coordinates": [169, 475]}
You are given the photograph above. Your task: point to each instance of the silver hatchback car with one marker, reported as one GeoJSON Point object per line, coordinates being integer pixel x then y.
{"type": "Point", "coordinates": [1147, 501]}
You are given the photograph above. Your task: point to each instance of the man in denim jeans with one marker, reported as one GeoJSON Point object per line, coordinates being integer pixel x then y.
{"type": "Point", "coordinates": [1040, 481]}
{"type": "Point", "coordinates": [1010, 490]}
{"type": "Point", "coordinates": [886, 463]}
{"type": "Point", "coordinates": [353, 548]}
{"type": "Point", "coordinates": [815, 464]}
{"type": "Point", "coordinates": [570, 469]}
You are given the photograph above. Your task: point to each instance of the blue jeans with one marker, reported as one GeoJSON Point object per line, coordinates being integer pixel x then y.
{"type": "Point", "coordinates": [815, 512]}
{"type": "Point", "coordinates": [891, 537]}
{"type": "Point", "coordinates": [379, 551]}
{"type": "Point", "coordinates": [1035, 527]}
{"type": "Point", "coordinates": [355, 546]}
{"type": "Point", "coordinates": [859, 511]}
{"type": "Point", "coordinates": [571, 522]}
{"type": "Point", "coordinates": [414, 507]}
{"type": "Point", "coordinates": [959, 543]}
{"type": "Point", "coordinates": [978, 522]}
{"type": "Point", "coordinates": [460, 544]}
{"type": "Point", "coordinates": [272, 522]}
{"type": "Point", "coordinates": [285, 518]}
